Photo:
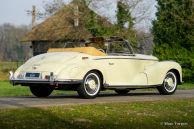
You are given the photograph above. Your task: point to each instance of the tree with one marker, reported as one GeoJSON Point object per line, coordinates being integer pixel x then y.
{"type": "Point", "coordinates": [11, 49]}
{"type": "Point", "coordinates": [174, 34]}
{"type": "Point", "coordinates": [124, 16]}
{"type": "Point", "coordinates": [145, 42]}
{"type": "Point", "coordinates": [123, 28]}
{"type": "Point", "coordinates": [52, 7]}
{"type": "Point", "coordinates": [125, 22]}
{"type": "Point", "coordinates": [174, 24]}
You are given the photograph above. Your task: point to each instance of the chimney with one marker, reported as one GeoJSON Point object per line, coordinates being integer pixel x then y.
{"type": "Point", "coordinates": [33, 15]}
{"type": "Point", "coordinates": [76, 14]}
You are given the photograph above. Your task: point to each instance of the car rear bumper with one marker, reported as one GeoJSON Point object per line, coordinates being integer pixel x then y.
{"type": "Point", "coordinates": [50, 81]}
{"type": "Point", "coordinates": [31, 82]}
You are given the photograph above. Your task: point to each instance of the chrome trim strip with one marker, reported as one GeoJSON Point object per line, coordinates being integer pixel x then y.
{"type": "Point", "coordinates": [130, 86]}
{"type": "Point", "coordinates": [125, 58]}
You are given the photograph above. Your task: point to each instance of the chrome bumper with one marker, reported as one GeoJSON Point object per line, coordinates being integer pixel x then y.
{"type": "Point", "coordinates": [29, 82]}
{"type": "Point", "coordinates": [50, 81]}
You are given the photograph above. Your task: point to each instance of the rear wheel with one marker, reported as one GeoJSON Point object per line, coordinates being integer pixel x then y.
{"type": "Point", "coordinates": [41, 91]}
{"type": "Point", "coordinates": [91, 85]}
{"type": "Point", "coordinates": [123, 91]}
{"type": "Point", "coordinates": [169, 84]}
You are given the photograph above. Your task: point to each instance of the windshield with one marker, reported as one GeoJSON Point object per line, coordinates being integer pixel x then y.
{"type": "Point", "coordinates": [110, 47]}
{"type": "Point", "coordinates": [118, 47]}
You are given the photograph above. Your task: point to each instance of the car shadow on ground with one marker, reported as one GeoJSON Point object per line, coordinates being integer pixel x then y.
{"type": "Point", "coordinates": [101, 95]}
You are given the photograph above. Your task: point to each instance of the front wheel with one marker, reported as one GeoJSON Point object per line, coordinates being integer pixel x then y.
{"type": "Point", "coordinates": [41, 91]}
{"type": "Point", "coordinates": [169, 84]}
{"type": "Point", "coordinates": [91, 85]}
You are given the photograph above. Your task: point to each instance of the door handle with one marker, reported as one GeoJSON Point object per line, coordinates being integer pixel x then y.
{"type": "Point", "coordinates": [110, 63]}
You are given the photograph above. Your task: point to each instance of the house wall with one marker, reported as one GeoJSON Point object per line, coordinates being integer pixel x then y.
{"type": "Point", "coordinates": [40, 47]}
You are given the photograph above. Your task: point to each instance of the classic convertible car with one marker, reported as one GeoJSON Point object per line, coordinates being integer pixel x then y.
{"type": "Point", "coordinates": [101, 64]}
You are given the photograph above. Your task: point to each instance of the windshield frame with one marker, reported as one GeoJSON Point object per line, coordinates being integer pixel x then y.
{"type": "Point", "coordinates": [128, 46]}
{"type": "Point", "coordinates": [105, 48]}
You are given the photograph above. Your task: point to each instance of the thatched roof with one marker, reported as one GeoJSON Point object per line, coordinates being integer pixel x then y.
{"type": "Point", "coordinates": [60, 26]}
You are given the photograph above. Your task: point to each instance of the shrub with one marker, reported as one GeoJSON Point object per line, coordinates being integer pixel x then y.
{"type": "Point", "coordinates": [180, 55]}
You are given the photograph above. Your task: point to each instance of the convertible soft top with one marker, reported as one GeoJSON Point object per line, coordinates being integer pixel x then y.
{"type": "Point", "coordinates": [87, 50]}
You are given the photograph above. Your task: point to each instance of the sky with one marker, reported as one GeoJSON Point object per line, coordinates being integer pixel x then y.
{"type": "Point", "coordinates": [14, 11]}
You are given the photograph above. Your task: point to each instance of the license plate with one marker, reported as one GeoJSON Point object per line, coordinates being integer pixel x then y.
{"type": "Point", "coordinates": [32, 75]}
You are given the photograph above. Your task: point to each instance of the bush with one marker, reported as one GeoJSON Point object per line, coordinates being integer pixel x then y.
{"type": "Point", "coordinates": [179, 54]}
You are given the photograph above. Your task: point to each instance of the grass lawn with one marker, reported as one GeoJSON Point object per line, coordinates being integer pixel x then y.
{"type": "Point", "coordinates": [5, 67]}
{"type": "Point", "coordinates": [6, 89]}
{"type": "Point", "coordinates": [186, 86]}
{"type": "Point", "coordinates": [140, 115]}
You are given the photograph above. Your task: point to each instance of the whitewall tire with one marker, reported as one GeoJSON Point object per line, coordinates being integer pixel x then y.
{"type": "Point", "coordinates": [169, 85]}
{"type": "Point", "coordinates": [90, 86]}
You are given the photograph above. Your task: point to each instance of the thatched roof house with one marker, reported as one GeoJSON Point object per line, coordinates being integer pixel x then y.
{"type": "Point", "coordinates": [61, 27]}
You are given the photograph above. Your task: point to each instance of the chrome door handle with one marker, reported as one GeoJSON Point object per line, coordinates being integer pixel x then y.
{"type": "Point", "coordinates": [111, 63]}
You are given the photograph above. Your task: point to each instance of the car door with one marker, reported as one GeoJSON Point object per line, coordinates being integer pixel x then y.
{"type": "Point", "coordinates": [126, 71]}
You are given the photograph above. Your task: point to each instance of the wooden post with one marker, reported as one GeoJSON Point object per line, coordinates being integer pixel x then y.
{"type": "Point", "coordinates": [33, 15]}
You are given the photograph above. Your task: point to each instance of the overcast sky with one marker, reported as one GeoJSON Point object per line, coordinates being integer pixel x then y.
{"type": "Point", "coordinates": [14, 11]}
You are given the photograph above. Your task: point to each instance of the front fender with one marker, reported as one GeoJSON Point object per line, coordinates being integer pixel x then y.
{"type": "Point", "coordinates": [157, 72]}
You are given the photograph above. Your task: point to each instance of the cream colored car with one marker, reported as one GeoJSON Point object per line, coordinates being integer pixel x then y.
{"type": "Point", "coordinates": [111, 65]}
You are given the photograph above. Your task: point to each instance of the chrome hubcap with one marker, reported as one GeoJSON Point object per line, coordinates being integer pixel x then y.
{"type": "Point", "coordinates": [170, 82]}
{"type": "Point", "coordinates": [92, 84]}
